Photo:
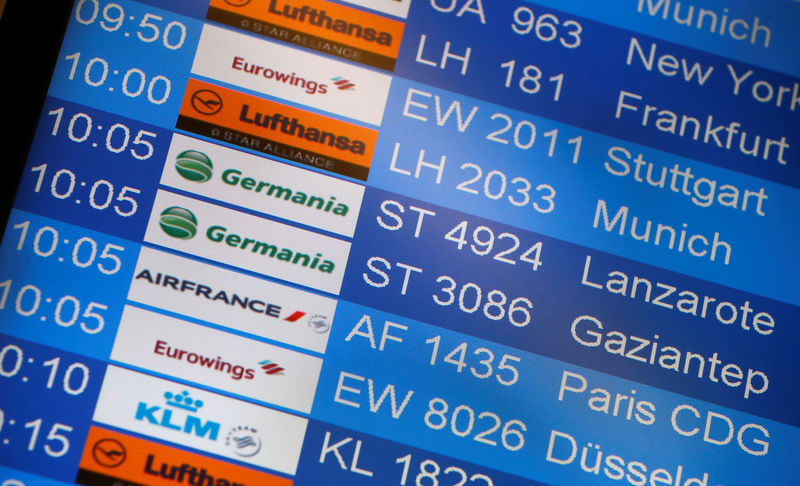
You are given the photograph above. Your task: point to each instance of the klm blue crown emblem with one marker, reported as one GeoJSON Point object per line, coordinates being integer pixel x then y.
{"type": "Point", "coordinates": [183, 400]}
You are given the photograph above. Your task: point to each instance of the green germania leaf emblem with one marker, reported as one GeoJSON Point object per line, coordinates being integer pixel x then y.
{"type": "Point", "coordinates": [194, 166]}
{"type": "Point", "coordinates": [178, 222]}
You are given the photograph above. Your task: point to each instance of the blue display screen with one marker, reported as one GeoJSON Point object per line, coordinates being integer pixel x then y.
{"type": "Point", "coordinates": [408, 242]}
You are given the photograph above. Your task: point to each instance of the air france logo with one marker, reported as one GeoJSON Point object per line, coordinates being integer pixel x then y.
{"type": "Point", "coordinates": [244, 441]}
{"type": "Point", "coordinates": [179, 415]}
{"type": "Point", "coordinates": [271, 368]}
{"type": "Point", "coordinates": [178, 223]}
{"type": "Point", "coordinates": [343, 83]}
{"type": "Point", "coordinates": [194, 166]}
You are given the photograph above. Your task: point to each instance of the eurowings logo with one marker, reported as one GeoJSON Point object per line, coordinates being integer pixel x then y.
{"type": "Point", "coordinates": [310, 86]}
{"type": "Point", "coordinates": [271, 368]}
{"type": "Point", "coordinates": [235, 371]}
{"type": "Point", "coordinates": [343, 83]}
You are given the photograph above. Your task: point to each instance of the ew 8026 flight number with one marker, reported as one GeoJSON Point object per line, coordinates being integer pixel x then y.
{"type": "Point", "coordinates": [462, 422]}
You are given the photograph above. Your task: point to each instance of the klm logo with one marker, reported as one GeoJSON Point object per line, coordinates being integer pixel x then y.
{"type": "Point", "coordinates": [178, 415]}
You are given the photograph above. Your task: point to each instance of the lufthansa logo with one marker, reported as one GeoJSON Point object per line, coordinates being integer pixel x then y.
{"type": "Point", "coordinates": [206, 102]}
{"type": "Point", "coordinates": [237, 3]}
{"type": "Point", "coordinates": [109, 452]}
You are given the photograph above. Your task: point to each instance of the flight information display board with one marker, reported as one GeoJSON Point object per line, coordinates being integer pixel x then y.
{"type": "Point", "coordinates": [408, 242]}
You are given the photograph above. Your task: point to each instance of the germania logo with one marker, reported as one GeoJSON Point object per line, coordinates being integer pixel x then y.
{"type": "Point", "coordinates": [320, 18]}
{"type": "Point", "coordinates": [244, 441]}
{"type": "Point", "coordinates": [329, 204]}
{"type": "Point", "coordinates": [292, 126]}
{"type": "Point", "coordinates": [343, 83]}
{"type": "Point", "coordinates": [271, 368]}
{"type": "Point", "coordinates": [178, 222]}
{"type": "Point", "coordinates": [194, 166]}
{"type": "Point", "coordinates": [219, 234]}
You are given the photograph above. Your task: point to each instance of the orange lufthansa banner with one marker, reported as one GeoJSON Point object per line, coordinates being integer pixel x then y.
{"type": "Point", "coordinates": [277, 129]}
{"type": "Point", "coordinates": [317, 24]}
{"type": "Point", "coordinates": [110, 455]}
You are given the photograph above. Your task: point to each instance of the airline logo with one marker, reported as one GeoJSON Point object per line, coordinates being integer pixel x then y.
{"type": "Point", "coordinates": [266, 186]}
{"type": "Point", "coordinates": [343, 83]}
{"type": "Point", "coordinates": [194, 166]}
{"type": "Point", "coordinates": [326, 27]}
{"type": "Point", "coordinates": [398, 8]}
{"type": "Point", "coordinates": [188, 423]}
{"type": "Point", "coordinates": [178, 223]}
{"type": "Point", "coordinates": [243, 441]}
{"type": "Point", "coordinates": [197, 419]}
{"type": "Point", "coordinates": [278, 130]}
{"type": "Point", "coordinates": [233, 300]}
{"type": "Point", "coordinates": [111, 456]}
{"type": "Point", "coordinates": [271, 368]}
{"type": "Point", "coordinates": [109, 452]}
{"type": "Point", "coordinates": [233, 371]}
{"type": "Point", "coordinates": [319, 323]}
{"type": "Point", "coordinates": [287, 73]}
{"type": "Point", "coordinates": [250, 242]}
{"type": "Point", "coordinates": [218, 359]}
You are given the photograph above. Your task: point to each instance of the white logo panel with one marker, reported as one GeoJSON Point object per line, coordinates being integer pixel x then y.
{"type": "Point", "coordinates": [198, 419]}
{"type": "Point", "coordinates": [264, 185]}
{"type": "Point", "coordinates": [291, 74]}
{"type": "Point", "coordinates": [232, 299]}
{"type": "Point", "coordinates": [248, 242]}
{"type": "Point", "coordinates": [217, 359]}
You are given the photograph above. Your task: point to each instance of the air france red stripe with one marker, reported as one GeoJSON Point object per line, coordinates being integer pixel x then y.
{"type": "Point", "coordinates": [295, 316]}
